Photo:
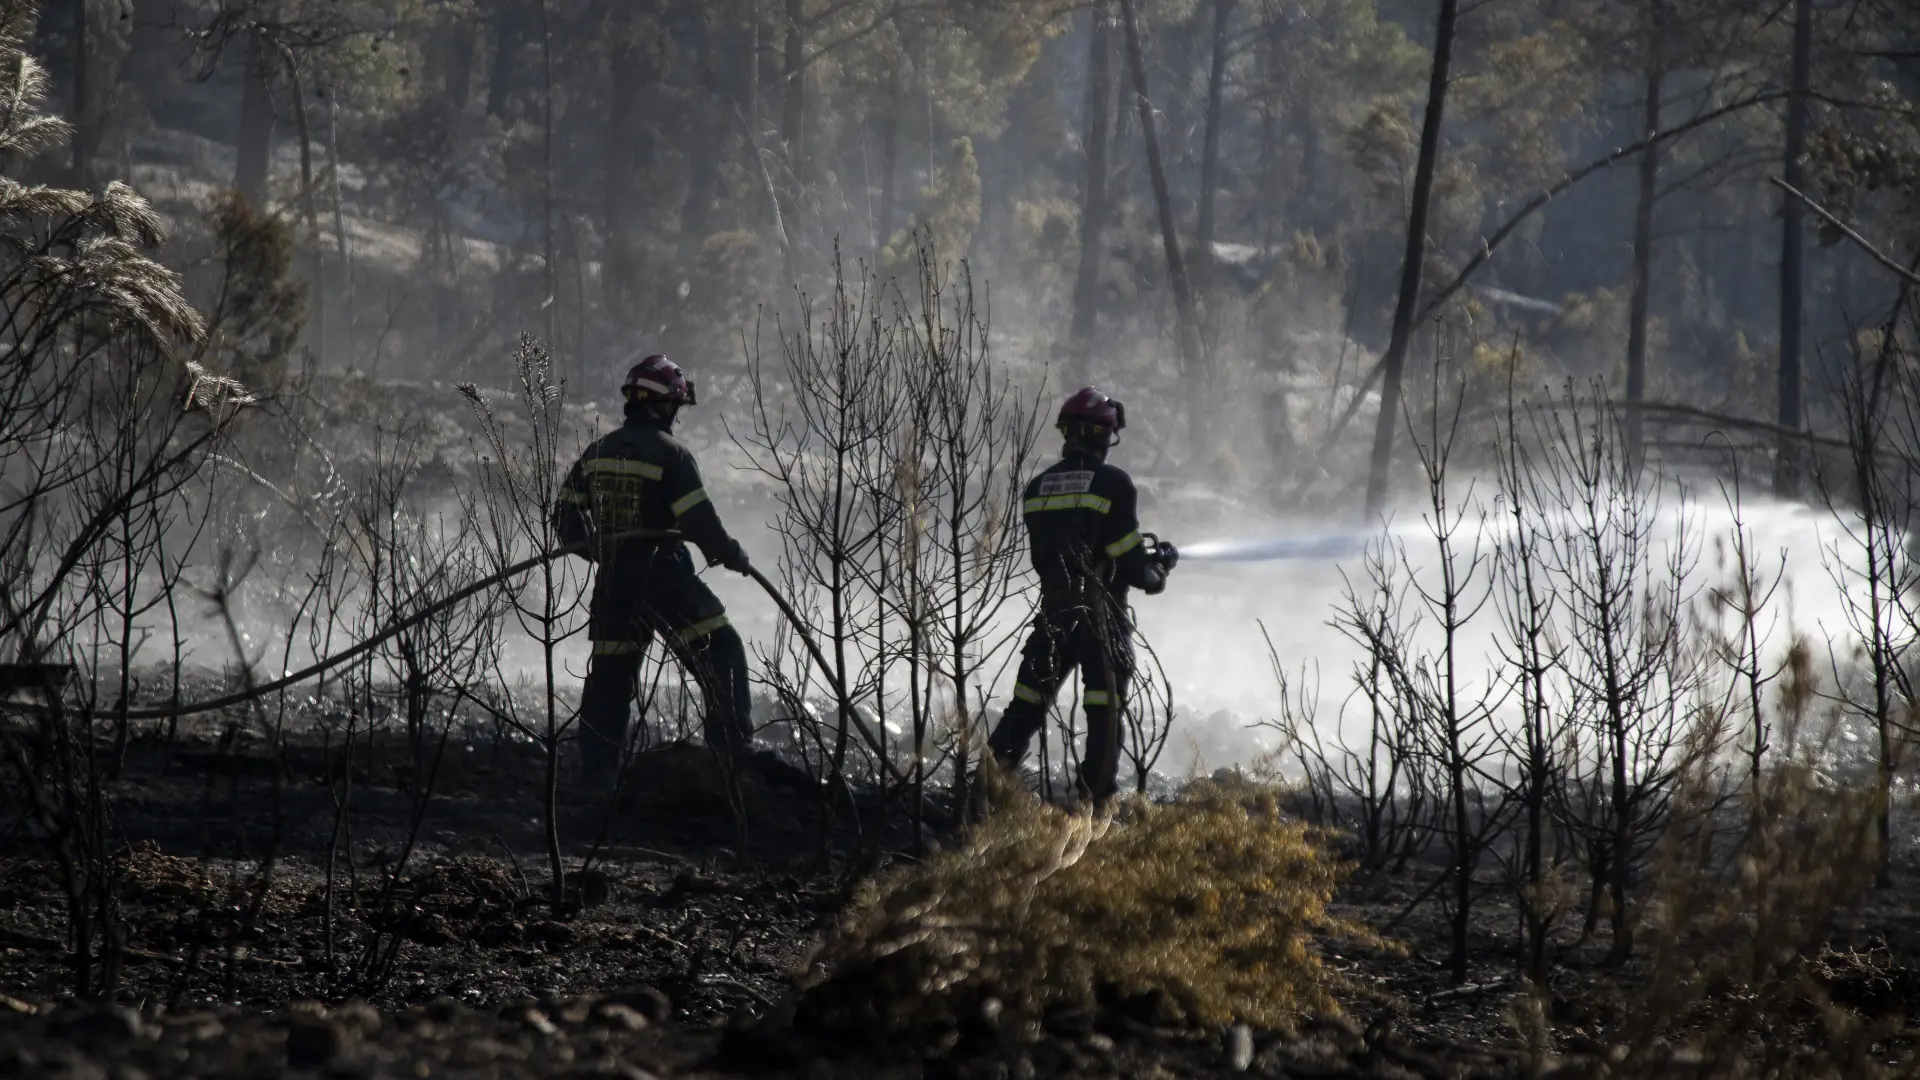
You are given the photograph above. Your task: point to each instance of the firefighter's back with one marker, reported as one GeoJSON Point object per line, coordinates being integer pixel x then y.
{"type": "Point", "coordinates": [1069, 511]}
{"type": "Point", "coordinates": [623, 472]}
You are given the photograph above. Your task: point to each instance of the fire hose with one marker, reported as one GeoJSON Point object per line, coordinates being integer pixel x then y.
{"type": "Point", "coordinates": [1330, 546]}
{"type": "Point", "coordinates": [467, 592]}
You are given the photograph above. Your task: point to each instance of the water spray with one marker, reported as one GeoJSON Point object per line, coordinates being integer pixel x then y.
{"type": "Point", "coordinates": [1276, 548]}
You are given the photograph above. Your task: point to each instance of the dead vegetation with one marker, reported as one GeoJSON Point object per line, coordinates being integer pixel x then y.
{"type": "Point", "coordinates": [1659, 862]}
{"type": "Point", "coordinates": [1203, 911]}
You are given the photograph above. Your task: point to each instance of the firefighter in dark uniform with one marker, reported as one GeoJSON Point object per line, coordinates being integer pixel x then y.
{"type": "Point", "coordinates": [1087, 550]}
{"type": "Point", "coordinates": [641, 477]}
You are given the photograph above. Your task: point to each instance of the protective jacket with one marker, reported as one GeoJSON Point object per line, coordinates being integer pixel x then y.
{"type": "Point", "coordinates": [641, 477]}
{"type": "Point", "coordinates": [1084, 539]}
{"type": "Point", "coordinates": [1084, 534]}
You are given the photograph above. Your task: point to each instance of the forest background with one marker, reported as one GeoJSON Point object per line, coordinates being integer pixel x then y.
{"type": "Point", "coordinates": [626, 177]}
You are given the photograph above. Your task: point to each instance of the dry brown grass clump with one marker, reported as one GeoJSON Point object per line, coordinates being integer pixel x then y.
{"type": "Point", "coordinates": [1761, 962]}
{"type": "Point", "coordinates": [1202, 910]}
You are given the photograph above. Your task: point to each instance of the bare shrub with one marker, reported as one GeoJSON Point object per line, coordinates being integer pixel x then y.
{"type": "Point", "coordinates": [1633, 672]}
{"type": "Point", "coordinates": [1739, 956]}
{"type": "Point", "coordinates": [1380, 789]}
{"type": "Point", "coordinates": [101, 427]}
{"type": "Point", "coordinates": [510, 512]}
{"type": "Point", "coordinates": [897, 444]}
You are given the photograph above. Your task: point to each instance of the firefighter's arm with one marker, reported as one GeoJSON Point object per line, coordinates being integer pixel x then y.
{"type": "Point", "coordinates": [1124, 545]}
{"type": "Point", "coordinates": [695, 517]}
{"type": "Point", "coordinates": [570, 509]}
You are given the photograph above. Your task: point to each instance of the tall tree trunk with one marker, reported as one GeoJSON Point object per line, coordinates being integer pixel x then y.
{"type": "Point", "coordinates": [1176, 46]}
{"type": "Point", "coordinates": [1394, 364]}
{"type": "Point", "coordinates": [890, 151]}
{"type": "Point", "coordinates": [793, 129]}
{"type": "Point", "coordinates": [1643, 248]}
{"type": "Point", "coordinates": [256, 126]}
{"type": "Point", "coordinates": [1187, 327]}
{"type": "Point", "coordinates": [1093, 193]}
{"type": "Point", "coordinates": [309, 208]}
{"type": "Point", "coordinates": [509, 28]}
{"type": "Point", "coordinates": [1269, 139]}
{"type": "Point", "coordinates": [550, 254]}
{"type": "Point", "coordinates": [340, 218]}
{"type": "Point", "coordinates": [1306, 189]}
{"type": "Point", "coordinates": [704, 155]}
{"type": "Point", "coordinates": [86, 134]}
{"type": "Point", "coordinates": [1786, 462]}
{"type": "Point", "coordinates": [793, 87]}
{"type": "Point", "coordinates": [631, 71]}
{"type": "Point", "coordinates": [1210, 145]}
{"type": "Point", "coordinates": [458, 54]}
{"type": "Point", "coordinates": [756, 35]}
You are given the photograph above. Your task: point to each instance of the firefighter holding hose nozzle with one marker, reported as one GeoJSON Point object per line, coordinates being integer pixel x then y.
{"type": "Point", "coordinates": [1088, 551]}
{"type": "Point", "coordinates": [640, 477]}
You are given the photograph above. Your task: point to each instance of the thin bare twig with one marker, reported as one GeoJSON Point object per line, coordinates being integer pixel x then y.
{"type": "Point", "coordinates": [1845, 230]}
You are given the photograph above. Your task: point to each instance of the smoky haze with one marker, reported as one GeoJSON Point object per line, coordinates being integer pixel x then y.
{"type": "Point", "coordinates": [415, 187]}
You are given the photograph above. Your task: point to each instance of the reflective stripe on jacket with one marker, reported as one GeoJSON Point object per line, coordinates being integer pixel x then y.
{"type": "Point", "coordinates": [639, 477]}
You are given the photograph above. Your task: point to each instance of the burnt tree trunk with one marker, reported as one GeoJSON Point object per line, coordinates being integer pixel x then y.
{"type": "Point", "coordinates": [458, 61]}
{"type": "Point", "coordinates": [793, 87]}
{"type": "Point", "coordinates": [1093, 193]}
{"type": "Point", "coordinates": [309, 208]}
{"type": "Point", "coordinates": [1643, 250]}
{"type": "Point", "coordinates": [1269, 139]}
{"type": "Point", "coordinates": [1786, 466]}
{"type": "Point", "coordinates": [550, 255]}
{"type": "Point", "coordinates": [704, 154]}
{"type": "Point", "coordinates": [509, 33]}
{"type": "Point", "coordinates": [256, 126]}
{"type": "Point", "coordinates": [793, 128]}
{"type": "Point", "coordinates": [631, 71]}
{"type": "Point", "coordinates": [1394, 363]}
{"type": "Point", "coordinates": [1210, 144]}
{"type": "Point", "coordinates": [1306, 188]}
{"type": "Point", "coordinates": [1186, 326]}
{"type": "Point", "coordinates": [889, 151]}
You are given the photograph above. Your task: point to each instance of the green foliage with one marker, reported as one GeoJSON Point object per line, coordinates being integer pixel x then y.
{"type": "Point", "coordinates": [1202, 910]}
{"type": "Point", "coordinates": [1046, 240]}
{"type": "Point", "coordinates": [261, 307]}
{"type": "Point", "coordinates": [985, 53]}
{"type": "Point", "coordinates": [733, 274]}
{"type": "Point", "coordinates": [371, 49]}
{"type": "Point", "coordinates": [949, 214]}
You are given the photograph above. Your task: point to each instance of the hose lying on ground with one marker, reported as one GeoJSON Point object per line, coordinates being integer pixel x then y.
{"type": "Point", "coordinates": [498, 577]}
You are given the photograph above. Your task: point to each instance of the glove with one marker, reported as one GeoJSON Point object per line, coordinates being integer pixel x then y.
{"type": "Point", "coordinates": [737, 561]}
{"type": "Point", "coordinates": [1168, 555]}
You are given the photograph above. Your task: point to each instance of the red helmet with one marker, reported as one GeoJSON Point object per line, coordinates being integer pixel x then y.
{"type": "Point", "coordinates": [1091, 406]}
{"type": "Point", "coordinates": [658, 377]}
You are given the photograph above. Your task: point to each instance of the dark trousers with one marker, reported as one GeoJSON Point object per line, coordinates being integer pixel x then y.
{"type": "Point", "coordinates": [628, 612]}
{"type": "Point", "coordinates": [1102, 649]}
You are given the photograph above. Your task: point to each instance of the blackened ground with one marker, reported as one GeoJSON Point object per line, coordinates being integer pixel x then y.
{"type": "Point", "coordinates": [438, 889]}
{"type": "Point", "coordinates": [435, 947]}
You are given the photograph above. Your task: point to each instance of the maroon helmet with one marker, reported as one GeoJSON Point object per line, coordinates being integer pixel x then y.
{"type": "Point", "coordinates": [658, 377]}
{"type": "Point", "coordinates": [1091, 406]}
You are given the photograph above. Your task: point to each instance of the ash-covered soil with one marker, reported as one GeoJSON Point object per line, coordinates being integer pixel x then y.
{"type": "Point", "coordinates": [436, 947]}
